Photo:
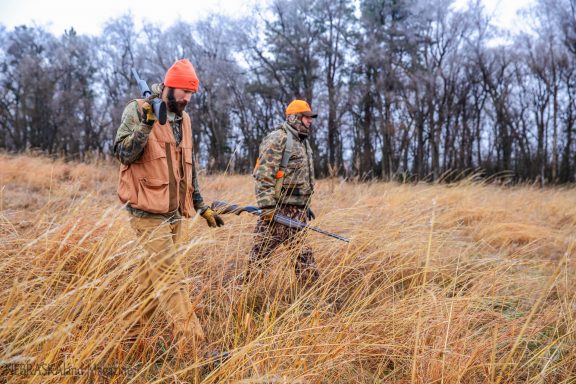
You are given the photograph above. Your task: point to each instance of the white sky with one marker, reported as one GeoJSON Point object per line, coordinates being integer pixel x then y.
{"type": "Point", "coordinates": [87, 17]}
{"type": "Point", "coordinates": [503, 11]}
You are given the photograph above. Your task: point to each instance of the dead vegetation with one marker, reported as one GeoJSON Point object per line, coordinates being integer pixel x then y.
{"type": "Point", "coordinates": [467, 283]}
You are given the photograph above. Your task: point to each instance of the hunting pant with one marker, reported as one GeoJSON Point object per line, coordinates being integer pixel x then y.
{"type": "Point", "coordinates": [161, 277]}
{"type": "Point", "coordinates": [270, 235]}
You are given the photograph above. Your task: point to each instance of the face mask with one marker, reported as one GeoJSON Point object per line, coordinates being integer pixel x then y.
{"type": "Point", "coordinates": [295, 121]}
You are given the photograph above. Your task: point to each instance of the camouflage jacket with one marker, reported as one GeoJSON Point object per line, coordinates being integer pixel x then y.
{"type": "Point", "coordinates": [298, 183]}
{"type": "Point", "coordinates": [132, 137]}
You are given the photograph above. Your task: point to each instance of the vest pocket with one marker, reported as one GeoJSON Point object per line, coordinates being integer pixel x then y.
{"type": "Point", "coordinates": [153, 150]}
{"type": "Point", "coordinates": [126, 191]}
{"type": "Point", "coordinates": [153, 195]}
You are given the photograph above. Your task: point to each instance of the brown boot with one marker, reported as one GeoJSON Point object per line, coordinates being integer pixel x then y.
{"type": "Point", "coordinates": [197, 328]}
{"type": "Point", "coordinates": [188, 330]}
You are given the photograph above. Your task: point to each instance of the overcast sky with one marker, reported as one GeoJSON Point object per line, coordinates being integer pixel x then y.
{"type": "Point", "coordinates": [503, 11]}
{"type": "Point", "coordinates": [87, 17]}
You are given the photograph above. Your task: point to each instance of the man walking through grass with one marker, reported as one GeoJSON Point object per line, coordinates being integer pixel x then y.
{"type": "Point", "coordinates": [284, 176]}
{"type": "Point", "coordinates": [159, 185]}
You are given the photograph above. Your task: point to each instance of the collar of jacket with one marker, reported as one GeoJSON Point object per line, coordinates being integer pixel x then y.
{"type": "Point", "coordinates": [172, 117]}
{"type": "Point", "coordinates": [294, 132]}
{"type": "Point", "coordinates": [297, 134]}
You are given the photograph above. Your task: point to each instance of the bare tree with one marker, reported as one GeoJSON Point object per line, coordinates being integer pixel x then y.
{"type": "Point", "coordinates": [405, 88]}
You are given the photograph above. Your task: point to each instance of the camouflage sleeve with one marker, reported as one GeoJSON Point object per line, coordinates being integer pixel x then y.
{"type": "Point", "coordinates": [271, 150]}
{"type": "Point", "coordinates": [196, 195]}
{"type": "Point", "coordinates": [311, 164]}
{"type": "Point", "coordinates": [132, 135]}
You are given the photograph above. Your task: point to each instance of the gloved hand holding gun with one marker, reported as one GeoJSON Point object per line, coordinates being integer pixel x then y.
{"type": "Point", "coordinates": [154, 108]}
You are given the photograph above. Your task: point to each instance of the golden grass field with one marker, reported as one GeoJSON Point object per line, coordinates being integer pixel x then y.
{"type": "Point", "coordinates": [461, 283]}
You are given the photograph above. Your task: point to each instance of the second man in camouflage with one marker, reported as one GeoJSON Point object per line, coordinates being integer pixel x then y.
{"type": "Point", "coordinates": [285, 187]}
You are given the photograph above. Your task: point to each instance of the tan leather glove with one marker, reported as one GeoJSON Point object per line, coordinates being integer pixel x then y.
{"type": "Point", "coordinates": [267, 213]}
{"type": "Point", "coordinates": [212, 218]}
{"type": "Point", "coordinates": [148, 116]}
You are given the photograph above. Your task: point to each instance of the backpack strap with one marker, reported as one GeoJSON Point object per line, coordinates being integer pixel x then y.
{"type": "Point", "coordinates": [286, 154]}
{"type": "Point", "coordinates": [281, 172]}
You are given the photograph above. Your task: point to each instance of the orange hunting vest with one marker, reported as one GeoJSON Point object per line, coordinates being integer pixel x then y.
{"type": "Point", "coordinates": [160, 181]}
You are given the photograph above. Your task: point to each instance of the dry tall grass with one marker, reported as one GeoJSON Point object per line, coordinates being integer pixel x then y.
{"type": "Point", "coordinates": [466, 283]}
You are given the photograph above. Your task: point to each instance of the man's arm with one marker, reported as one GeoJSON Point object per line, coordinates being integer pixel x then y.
{"type": "Point", "coordinates": [271, 150]}
{"type": "Point", "coordinates": [197, 200]}
{"type": "Point", "coordinates": [211, 217]}
{"type": "Point", "coordinates": [132, 135]}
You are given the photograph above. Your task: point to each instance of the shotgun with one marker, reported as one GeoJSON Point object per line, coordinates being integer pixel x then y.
{"type": "Point", "coordinates": [222, 207]}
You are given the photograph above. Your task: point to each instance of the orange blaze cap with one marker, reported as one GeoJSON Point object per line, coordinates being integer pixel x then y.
{"type": "Point", "coordinates": [300, 106]}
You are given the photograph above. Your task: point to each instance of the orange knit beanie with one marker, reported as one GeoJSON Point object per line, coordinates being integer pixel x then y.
{"type": "Point", "coordinates": [182, 75]}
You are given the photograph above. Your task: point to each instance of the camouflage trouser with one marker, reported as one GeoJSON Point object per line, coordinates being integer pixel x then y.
{"type": "Point", "coordinates": [269, 236]}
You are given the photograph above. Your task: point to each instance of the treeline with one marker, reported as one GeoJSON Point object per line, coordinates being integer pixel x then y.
{"type": "Point", "coordinates": [404, 88]}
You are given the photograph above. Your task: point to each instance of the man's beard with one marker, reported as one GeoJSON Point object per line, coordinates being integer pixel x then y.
{"type": "Point", "coordinates": [175, 106]}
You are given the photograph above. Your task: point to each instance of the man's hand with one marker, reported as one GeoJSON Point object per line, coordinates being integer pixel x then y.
{"type": "Point", "coordinates": [309, 214]}
{"type": "Point", "coordinates": [148, 116]}
{"type": "Point", "coordinates": [267, 213]}
{"type": "Point", "coordinates": [212, 218]}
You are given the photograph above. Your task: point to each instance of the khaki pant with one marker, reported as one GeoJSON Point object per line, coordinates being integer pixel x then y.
{"type": "Point", "coordinates": [161, 277]}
